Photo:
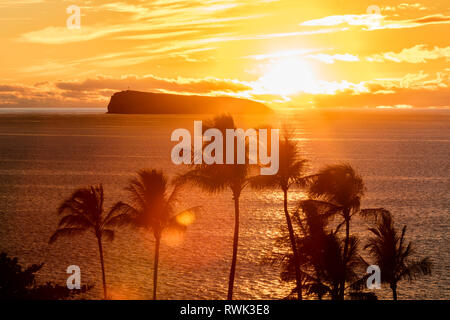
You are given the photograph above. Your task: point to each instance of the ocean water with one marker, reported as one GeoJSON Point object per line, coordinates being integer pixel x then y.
{"type": "Point", "coordinates": [45, 154]}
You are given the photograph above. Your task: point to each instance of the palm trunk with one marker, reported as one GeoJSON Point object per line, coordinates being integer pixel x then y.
{"type": "Point", "coordinates": [155, 266]}
{"type": "Point", "coordinates": [235, 246]}
{"type": "Point", "coordinates": [345, 258]}
{"type": "Point", "coordinates": [294, 247]}
{"type": "Point", "coordinates": [100, 248]}
{"type": "Point", "coordinates": [394, 290]}
{"type": "Point", "coordinates": [335, 294]}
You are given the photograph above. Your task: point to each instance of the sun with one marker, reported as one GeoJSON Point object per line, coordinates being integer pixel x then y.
{"type": "Point", "coordinates": [287, 76]}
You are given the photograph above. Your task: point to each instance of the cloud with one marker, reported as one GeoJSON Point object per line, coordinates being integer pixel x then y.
{"type": "Point", "coordinates": [281, 54]}
{"type": "Point", "coordinates": [96, 92]}
{"type": "Point", "coordinates": [43, 95]}
{"type": "Point", "coordinates": [405, 6]}
{"type": "Point", "coordinates": [416, 90]}
{"type": "Point", "coordinates": [329, 59]}
{"type": "Point", "coordinates": [131, 20]}
{"type": "Point", "coordinates": [349, 19]}
{"type": "Point", "coordinates": [418, 98]}
{"type": "Point", "coordinates": [417, 54]}
{"type": "Point", "coordinates": [19, 3]}
{"type": "Point", "coordinates": [153, 83]}
{"type": "Point", "coordinates": [62, 35]}
{"type": "Point", "coordinates": [371, 22]}
{"type": "Point", "coordinates": [433, 19]}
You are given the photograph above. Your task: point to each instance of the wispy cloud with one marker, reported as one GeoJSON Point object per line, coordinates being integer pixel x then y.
{"type": "Point", "coordinates": [150, 17]}
{"type": "Point", "coordinates": [417, 54]}
{"type": "Point", "coordinates": [332, 58]}
{"type": "Point", "coordinates": [416, 90]}
{"type": "Point", "coordinates": [405, 6]}
{"type": "Point", "coordinates": [265, 36]}
{"type": "Point", "coordinates": [371, 22]}
{"type": "Point", "coordinates": [62, 35]}
{"type": "Point", "coordinates": [19, 3]}
{"type": "Point", "coordinates": [153, 83]}
{"type": "Point", "coordinates": [281, 54]}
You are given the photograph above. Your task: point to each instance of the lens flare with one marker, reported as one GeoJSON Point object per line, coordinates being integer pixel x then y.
{"type": "Point", "coordinates": [186, 218]}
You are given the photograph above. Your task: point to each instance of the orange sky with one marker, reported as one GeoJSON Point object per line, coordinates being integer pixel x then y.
{"type": "Point", "coordinates": [288, 54]}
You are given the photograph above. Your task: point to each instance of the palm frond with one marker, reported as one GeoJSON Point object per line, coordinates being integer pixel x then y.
{"type": "Point", "coordinates": [374, 214]}
{"type": "Point", "coordinates": [264, 181]}
{"type": "Point", "coordinates": [64, 232]}
{"type": "Point", "coordinates": [117, 216]}
{"type": "Point", "coordinates": [339, 184]}
{"type": "Point", "coordinates": [119, 220]}
{"type": "Point", "coordinates": [416, 269]}
{"type": "Point", "coordinates": [75, 220]}
{"type": "Point", "coordinates": [389, 250]}
{"type": "Point", "coordinates": [359, 284]}
{"type": "Point", "coordinates": [175, 194]}
{"type": "Point", "coordinates": [152, 207]}
{"type": "Point", "coordinates": [208, 178]}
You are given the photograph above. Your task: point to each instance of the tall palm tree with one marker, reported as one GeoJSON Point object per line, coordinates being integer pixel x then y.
{"type": "Point", "coordinates": [216, 178]}
{"type": "Point", "coordinates": [83, 211]}
{"type": "Point", "coordinates": [290, 172]}
{"type": "Point", "coordinates": [152, 207]}
{"type": "Point", "coordinates": [342, 186]}
{"type": "Point", "coordinates": [390, 252]}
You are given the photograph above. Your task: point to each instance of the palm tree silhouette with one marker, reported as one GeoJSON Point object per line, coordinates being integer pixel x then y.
{"type": "Point", "coordinates": [290, 172]}
{"type": "Point", "coordinates": [390, 252]}
{"type": "Point", "coordinates": [84, 212]}
{"type": "Point", "coordinates": [152, 207]}
{"type": "Point", "coordinates": [341, 186]}
{"type": "Point", "coordinates": [215, 178]}
{"type": "Point", "coordinates": [321, 251]}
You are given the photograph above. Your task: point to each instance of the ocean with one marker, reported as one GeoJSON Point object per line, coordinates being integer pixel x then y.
{"type": "Point", "coordinates": [45, 154]}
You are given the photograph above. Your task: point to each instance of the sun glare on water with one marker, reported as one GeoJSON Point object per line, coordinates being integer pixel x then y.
{"type": "Point", "coordinates": [287, 76]}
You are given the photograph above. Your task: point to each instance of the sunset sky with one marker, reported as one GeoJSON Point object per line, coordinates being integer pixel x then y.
{"type": "Point", "coordinates": [286, 53]}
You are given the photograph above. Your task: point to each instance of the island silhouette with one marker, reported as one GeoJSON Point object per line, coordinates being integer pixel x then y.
{"type": "Point", "coordinates": [137, 102]}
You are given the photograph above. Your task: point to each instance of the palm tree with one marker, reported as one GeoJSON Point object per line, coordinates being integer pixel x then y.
{"type": "Point", "coordinates": [152, 207]}
{"type": "Point", "coordinates": [216, 178]}
{"type": "Point", "coordinates": [392, 255]}
{"type": "Point", "coordinates": [343, 187]}
{"type": "Point", "coordinates": [321, 251]}
{"type": "Point", "coordinates": [84, 211]}
{"type": "Point", "coordinates": [290, 172]}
